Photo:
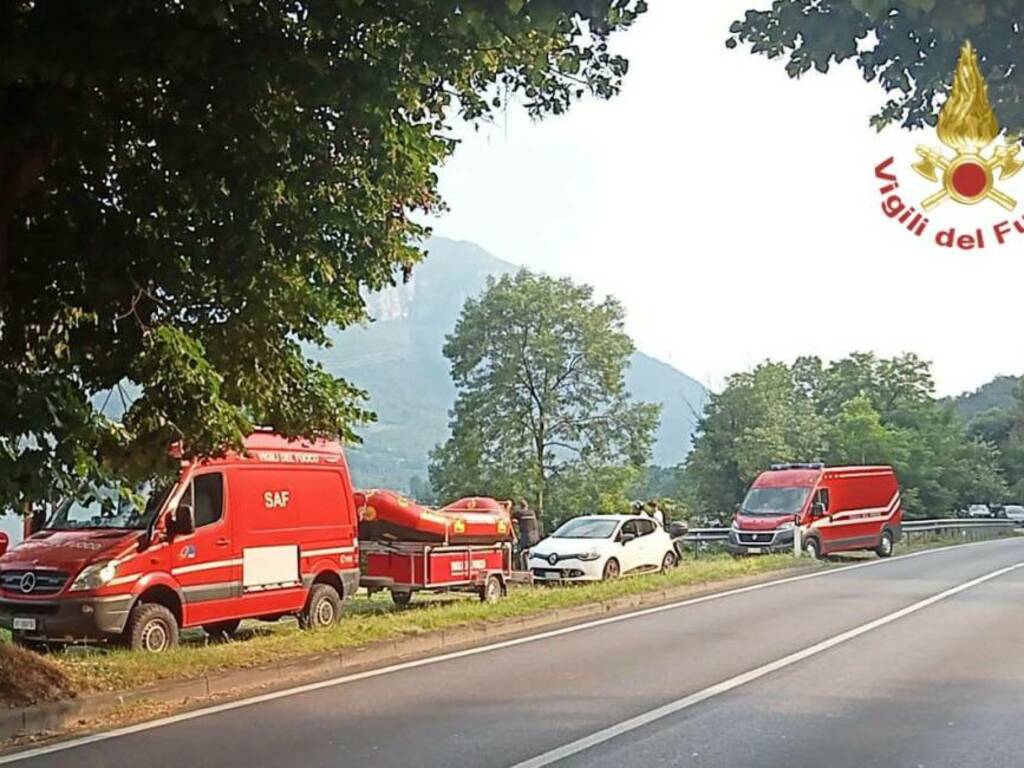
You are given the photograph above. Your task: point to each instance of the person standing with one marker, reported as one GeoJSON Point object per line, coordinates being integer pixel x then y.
{"type": "Point", "coordinates": [528, 526]}
{"type": "Point", "coordinates": [654, 510]}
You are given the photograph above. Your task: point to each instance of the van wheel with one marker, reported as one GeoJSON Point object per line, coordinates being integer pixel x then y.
{"type": "Point", "coordinates": [151, 628]}
{"type": "Point", "coordinates": [222, 630]}
{"type": "Point", "coordinates": [611, 570]}
{"type": "Point", "coordinates": [813, 547]}
{"type": "Point", "coordinates": [492, 590]}
{"type": "Point", "coordinates": [323, 609]}
{"type": "Point", "coordinates": [401, 597]}
{"type": "Point", "coordinates": [668, 562]}
{"type": "Point", "coordinates": [884, 548]}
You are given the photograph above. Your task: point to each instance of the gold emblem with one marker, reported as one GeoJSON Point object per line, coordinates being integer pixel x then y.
{"type": "Point", "coordinates": [967, 125]}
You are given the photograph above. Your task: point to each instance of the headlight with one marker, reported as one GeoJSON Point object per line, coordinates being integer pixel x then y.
{"type": "Point", "coordinates": [588, 556]}
{"type": "Point", "coordinates": [786, 526]}
{"type": "Point", "coordinates": [537, 556]}
{"type": "Point", "coordinates": [735, 525]}
{"type": "Point", "coordinates": [95, 576]}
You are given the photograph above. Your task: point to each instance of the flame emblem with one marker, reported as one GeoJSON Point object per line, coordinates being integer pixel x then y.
{"type": "Point", "coordinates": [968, 125]}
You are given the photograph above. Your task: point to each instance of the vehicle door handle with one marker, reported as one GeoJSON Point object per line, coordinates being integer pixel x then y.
{"type": "Point", "coordinates": [222, 542]}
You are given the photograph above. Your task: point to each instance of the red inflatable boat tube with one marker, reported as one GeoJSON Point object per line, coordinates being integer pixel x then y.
{"type": "Point", "coordinates": [388, 516]}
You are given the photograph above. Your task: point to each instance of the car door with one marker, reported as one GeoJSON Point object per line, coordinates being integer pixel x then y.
{"type": "Point", "coordinates": [205, 562]}
{"type": "Point", "coordinates": [650, 550]}
{"type": "Point", "coordinates": [631, 551]}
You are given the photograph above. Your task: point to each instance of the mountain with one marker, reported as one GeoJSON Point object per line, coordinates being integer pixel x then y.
{"type": "Point", "coordinates": [998, 393]}
{"type": "Point", "coordinates": [398, 360]}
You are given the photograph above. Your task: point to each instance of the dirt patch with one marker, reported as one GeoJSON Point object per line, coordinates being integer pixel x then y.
{"type": "Point", "coordinates": [28, 678]}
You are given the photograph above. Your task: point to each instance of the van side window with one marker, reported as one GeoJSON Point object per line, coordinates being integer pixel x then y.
{"type": "Point", "coordinates": [208, 492]}
{"type": "Point", "coordinates": [823, 498]}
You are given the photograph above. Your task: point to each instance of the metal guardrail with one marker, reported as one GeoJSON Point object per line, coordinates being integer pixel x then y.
{"type": "Point", "coordinates": [970, 529]}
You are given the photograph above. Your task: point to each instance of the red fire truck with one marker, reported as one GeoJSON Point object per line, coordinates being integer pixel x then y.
{"type": "Point", "coordinates": [264, 533]}
{"type": "Point", "coordinates": [837, 509]}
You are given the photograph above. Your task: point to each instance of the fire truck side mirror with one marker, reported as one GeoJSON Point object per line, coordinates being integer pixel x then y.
{"type": "Point", "coordinates": [5, 542]}
{"type": "Point", "coordinates": [184, 521]}
{"type": "Point", "coordinates": [817, 509]}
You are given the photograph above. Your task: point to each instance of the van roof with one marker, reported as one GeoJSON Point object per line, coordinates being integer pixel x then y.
{"type": "Point", "coordinates": [269, 441]}
{"type": "Point", "coordinates": [801, 476]}
{"type": "Point", "coordinates": [268, 446]}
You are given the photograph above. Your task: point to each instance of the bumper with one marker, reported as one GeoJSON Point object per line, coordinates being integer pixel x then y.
{"type": "Point", "coordinates": [89, 618]}
{"type": "Point", "coordinates": [759, 542]}
{"type": "Point", "coordinates": [567, 570]}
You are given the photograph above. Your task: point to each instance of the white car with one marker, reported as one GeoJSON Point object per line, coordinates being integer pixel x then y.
{"type": "Point", "coordinates": [599, 547]}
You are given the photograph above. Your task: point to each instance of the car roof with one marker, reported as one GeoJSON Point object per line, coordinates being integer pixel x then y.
{"type": "Point", "coordinates": [612, 517]}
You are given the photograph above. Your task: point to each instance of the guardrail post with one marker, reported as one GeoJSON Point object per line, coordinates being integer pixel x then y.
{"type": "Point", "coordinates": [797, 543]}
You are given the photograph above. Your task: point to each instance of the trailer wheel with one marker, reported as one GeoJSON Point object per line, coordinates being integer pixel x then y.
{"type": "Point", "coordinates": [222, 631]}
{"type": "Point", "coordinates": [401, 597]}
{"type": "Point", "coordinates": [151, 628]}
{"type": "Point", "coordinates": [323, 609]}
{"type": "Point", "coordinates": [492, 590]}
{"type": "Point", "coordinates": [884, 548]}
{"type": "Point", "coordinates": [38, 646]}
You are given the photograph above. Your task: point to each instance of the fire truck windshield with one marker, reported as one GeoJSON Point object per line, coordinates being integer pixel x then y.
{"type": "Point", "coordinates": [770, 502]}
{"type": "Point", "coordinates": [109, 507]}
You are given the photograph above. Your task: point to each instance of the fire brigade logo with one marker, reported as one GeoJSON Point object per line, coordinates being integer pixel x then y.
{"type": "Point", "coordinates": [968, 125]}
{"type": "Point", "coordinates": [974, 173]}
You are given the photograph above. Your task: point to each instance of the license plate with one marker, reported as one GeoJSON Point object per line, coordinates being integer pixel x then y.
{"type": "Point", "coordinates": [550, 575]}
{"type": "Point", "coordinates": [23, 624]}
{"type": "Point", "coordinates": [755, 550]}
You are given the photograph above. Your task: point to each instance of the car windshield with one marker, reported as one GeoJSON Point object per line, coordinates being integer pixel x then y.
{"type": "Point", "coordinates": [774, 501]}
{"type": "Point", "coordinates": [108, 507]}
{"type": "Point", "coordinates": [586, 528]}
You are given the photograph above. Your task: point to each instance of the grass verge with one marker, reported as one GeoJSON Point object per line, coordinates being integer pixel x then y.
{"type": "Point", "coordinates": [368, 621]}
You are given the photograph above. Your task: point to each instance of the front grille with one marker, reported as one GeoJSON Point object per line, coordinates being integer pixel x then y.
{"type": "Point", "coordinates": [29, 608]}
{"type": "Point", "coordinates": [756, 538]}
{"type": "Point", "coordinates": [33, 582]}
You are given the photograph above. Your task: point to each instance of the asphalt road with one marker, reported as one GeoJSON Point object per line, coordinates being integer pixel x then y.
{"type": "Point", "coordinates": [910, 662]}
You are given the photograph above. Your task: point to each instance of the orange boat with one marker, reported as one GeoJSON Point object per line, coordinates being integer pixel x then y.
{"type": "Point", "coordinates": [388, 516]}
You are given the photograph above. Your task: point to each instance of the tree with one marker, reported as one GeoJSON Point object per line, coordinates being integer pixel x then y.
{"type": "Point", "coordinates": [909, 47]}
{"type": "Point", "coordinates": [191, 191]}
{"type": "Point", "coordinates": [542, 409]}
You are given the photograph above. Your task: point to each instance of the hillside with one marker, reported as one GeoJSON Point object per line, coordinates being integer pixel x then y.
{"type": "Point", "coordinates": [998, 393]}
{"type": "Point", "coordinates": [398, 359]}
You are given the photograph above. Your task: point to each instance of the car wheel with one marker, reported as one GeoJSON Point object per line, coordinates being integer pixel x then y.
{"type": "Point", "coordinates": [401, 597]}
{"type": "Point", "coordinates": [152, 628]}
{"type": "Point", "coordinates": [222, 631]}
{"type": "Point", "coordinates": [323, 609]}
{"type": "Point", "coordinates": [668, 562]}
{"type": "Point", "coordinates": [492, 590]}
{"type": "Point", "coordinates": [813, 547]}
{"type": "Point", "coordinates": [884, 548]}
{"type": "Point", "coordinates": [611, 570]}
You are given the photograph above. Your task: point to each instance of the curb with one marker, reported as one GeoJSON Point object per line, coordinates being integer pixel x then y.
{"type": "Point", "coordinates": [43, 720]}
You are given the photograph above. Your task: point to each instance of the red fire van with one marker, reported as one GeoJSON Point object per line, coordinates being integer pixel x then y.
{"type": "Point", "coordinates": [264, 533]}
{"type": "Point", "coordinates": [836, 508]}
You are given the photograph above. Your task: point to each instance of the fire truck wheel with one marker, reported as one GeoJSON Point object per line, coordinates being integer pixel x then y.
{"type": "Point", "coordinates": [151, 628]}
{"type": "Point", "coordinates": [813, 548]}
{"type": "Point", "coordinates": [885, 545]}
{"type": "Point", "coordinates": [222, 630]}
{"type": "Point", "coordinates": [611, 570]}
{"type": "Point", "coordinates": [668, 562]}
{"type": "Point", "coordinates": [401, 597]}
{"type": "Point", "coordinates": [492, 590]}
{"type": "Point", "coordinates": [323, 609]}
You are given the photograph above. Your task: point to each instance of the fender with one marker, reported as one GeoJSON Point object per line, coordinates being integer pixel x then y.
{"type": "Point", "coordinates": [156, 579]}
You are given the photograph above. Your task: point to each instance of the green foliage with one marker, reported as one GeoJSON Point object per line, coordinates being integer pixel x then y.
{"type": "Point", "coordinates": [542, 409]}
{"type": "Point", "coordinates": [858, 410]}
{"type": "Point", "coordinates": [909, 47]}
{"type": "Point", "coordinates": [190, 192]}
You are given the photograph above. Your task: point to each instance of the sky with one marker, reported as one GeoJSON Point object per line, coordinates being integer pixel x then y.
{"type": "Point", "coordinates": [736, 213]}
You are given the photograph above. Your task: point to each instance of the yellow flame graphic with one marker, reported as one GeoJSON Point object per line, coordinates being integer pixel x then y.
{"type": "Point", "coordinates": [967, 122]}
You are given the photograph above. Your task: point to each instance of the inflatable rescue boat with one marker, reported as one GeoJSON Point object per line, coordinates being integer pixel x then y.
{"type": "Point", "coordinates": [388, 516]}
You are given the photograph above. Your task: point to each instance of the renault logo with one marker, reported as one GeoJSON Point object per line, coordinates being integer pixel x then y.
{"type": "Point", "coordinates": [28, 582]}
{"type": "Point", "coordinates": [553, 558]}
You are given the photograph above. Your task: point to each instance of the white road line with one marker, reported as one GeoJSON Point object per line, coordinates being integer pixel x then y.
{"type": "Point", "coordinates": [344, 679]}
{"type": "Point", "coordinates": [613, 731]}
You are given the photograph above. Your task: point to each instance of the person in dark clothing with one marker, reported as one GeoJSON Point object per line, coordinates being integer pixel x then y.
{"type": "Point", "coordinates": [528, 526]}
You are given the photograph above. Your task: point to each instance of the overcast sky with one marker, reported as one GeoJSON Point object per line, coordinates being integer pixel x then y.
{"type": "Point", "coordinates": [736, 214]}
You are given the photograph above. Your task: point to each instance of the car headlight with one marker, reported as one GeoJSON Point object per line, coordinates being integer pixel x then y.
{"type": "Point", "coordinates": [588, 556]}
{"type": "Point", "coordinates": [786, 526]}
{"type": "Point", "coordinates": [735, 525]}
{"type": "Point", "coordinates": [95, 576]}
{"type": "Point", "coordinates": [537, 556]}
